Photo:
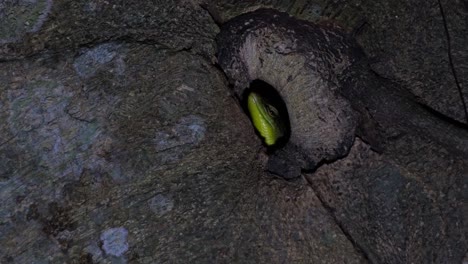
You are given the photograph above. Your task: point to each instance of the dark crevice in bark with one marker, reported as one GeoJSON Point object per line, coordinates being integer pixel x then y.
{"type": "Point", "coordinates": [452, 67]}
{"type": "Point", "coordinates": [331, 212]}
{"type": "Point", "coordinates": [213, 13]}
{"type": "Point", "coordinates": [444, 118]}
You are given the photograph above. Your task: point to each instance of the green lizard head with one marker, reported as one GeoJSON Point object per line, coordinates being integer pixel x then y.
{"type": "Point", "coordinates": [265, 118]}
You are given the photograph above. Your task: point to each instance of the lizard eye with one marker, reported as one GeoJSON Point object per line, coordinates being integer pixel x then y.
{"type": "Point", "coordinates": [271, 110]}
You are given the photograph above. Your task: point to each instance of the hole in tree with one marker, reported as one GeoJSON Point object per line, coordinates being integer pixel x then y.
{"type": "Point", "coordinates": [271, 96]}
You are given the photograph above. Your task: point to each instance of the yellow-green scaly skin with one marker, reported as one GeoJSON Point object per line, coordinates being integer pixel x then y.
{"type": "Point", "coordinates": [265, 119]}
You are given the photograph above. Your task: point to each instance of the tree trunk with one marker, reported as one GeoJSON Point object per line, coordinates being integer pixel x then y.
{"type": "Point", "coordinates": [120, 141]}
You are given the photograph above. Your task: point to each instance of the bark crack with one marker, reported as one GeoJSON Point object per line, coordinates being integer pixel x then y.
{"type": "Point", "coordinates": [343, 230]}
{"type": "Point", "coordinates": [452, 67]}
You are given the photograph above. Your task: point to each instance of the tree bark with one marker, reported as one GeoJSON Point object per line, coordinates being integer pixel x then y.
{"type": "Point", "coordinates": [120, 141]}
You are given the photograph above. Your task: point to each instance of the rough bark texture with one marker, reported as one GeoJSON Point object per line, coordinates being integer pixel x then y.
{"type": "Point", "coordinates": [407, 41]}
{"type": "Point", "coordinates": [270, 46]}
{"type": "Point", "coordinates": [120, 141]}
